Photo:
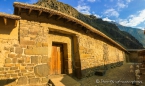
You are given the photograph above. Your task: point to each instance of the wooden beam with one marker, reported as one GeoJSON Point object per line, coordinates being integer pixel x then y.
{"type": "Point", "coordinates": [40, 11]}
{"type": "Point", "coordinates": [16, 22]}
{"type": "Point", "coordinates": [87, 31]}
{"type": "Point", "coordinates": [50, 15]}
{"type": "Point", "coordinates": [5, 21]}
{"type": "Point", "coordinates": [74, 23]}
{"type": "Point", "coordinates": [30, 10]}
{"type": "Point", "coordinates": [58, 18]}
{"type": "Point", "coordinates": [19, 11]}
{"type": "Point", "coordinates": [67, 21]}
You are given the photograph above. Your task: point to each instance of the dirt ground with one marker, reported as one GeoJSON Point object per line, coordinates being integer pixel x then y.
{"type": "Point", "coordinates": [119, 76]}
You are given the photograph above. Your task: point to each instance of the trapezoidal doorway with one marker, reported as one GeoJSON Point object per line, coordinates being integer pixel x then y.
{"type": "Point", "coordinates": [57, 59]}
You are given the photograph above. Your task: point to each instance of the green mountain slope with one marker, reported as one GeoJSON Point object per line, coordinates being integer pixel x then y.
{"type": "Point", "coordinates": [111, 30]}
{"type": "Point", "coordinates": [137, 33]}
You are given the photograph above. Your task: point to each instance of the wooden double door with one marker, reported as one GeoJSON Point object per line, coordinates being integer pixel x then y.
{"type": "Point", "coordinates": [57, 59]}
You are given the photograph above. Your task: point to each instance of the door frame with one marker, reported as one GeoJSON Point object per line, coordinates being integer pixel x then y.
{"type": "Point", "coordinates": [64, 64]}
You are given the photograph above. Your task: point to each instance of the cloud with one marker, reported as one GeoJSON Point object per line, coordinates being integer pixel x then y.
{"type": "Point", "coordinates": [32, 1]}
{"type": "Point", "coordinates": [133, 20]}
{"type": "Point", "coordinates": [128, 1]}
{"type": "Point", "coordinates": [111, 12]}
{"type": "Point", "coordinates": [91, 0]}
{"type": "Point", "coordinates": [98, 16]}
{"type": "Point", "coordinates": [107, 19]}
{"type": "Point", "coordinates": [122, 4]}
{"type": "Point", "coordinates": [83, 9]}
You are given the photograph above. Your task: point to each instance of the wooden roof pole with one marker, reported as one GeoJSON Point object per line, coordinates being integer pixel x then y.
{"type": "Point", "coordinates": [30, 10]}
{"type": "Point", "coordinates": [5, 21]}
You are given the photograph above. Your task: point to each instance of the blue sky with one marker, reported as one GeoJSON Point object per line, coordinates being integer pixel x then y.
{"type": "Point", "coordinates": [125, 12]}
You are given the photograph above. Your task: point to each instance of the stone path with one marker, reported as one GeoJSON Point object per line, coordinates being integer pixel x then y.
{"type": "Point", "coordinates": [62, 80]}
{"type": "Point", "coordinates": [119, 76]}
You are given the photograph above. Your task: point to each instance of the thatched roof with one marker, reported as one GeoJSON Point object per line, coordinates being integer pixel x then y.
{"type": "Point", "coordinates": [65, 16]}
{"type": "Point", "coordinates": [10, 16]}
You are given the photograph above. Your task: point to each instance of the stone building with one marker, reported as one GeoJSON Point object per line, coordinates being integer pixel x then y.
{"type": "Point", "coordinates": [136, 55]}
{"type": "Point", "coordinates": [37, 42]}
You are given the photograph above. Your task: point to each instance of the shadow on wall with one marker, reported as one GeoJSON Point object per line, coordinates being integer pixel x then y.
{"type": "Point", "coordinates": [8, 27]}
{"type": "Point", "coordinates": [10, 82]}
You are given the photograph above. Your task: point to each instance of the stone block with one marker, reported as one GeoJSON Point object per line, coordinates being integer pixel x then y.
{"type": "Point", "coordinates": [13, 68]}
{"type": "Point", "coordinates": [26, 38]}
{"type": "Point", "coordinates": [8, 75]}
{"type": "Point", "coordinates": [27, 59]}
{"type": "Point", "coordinates": [27, 42]}
{"type": "Point", "coordinates": [24, 64]}
{"type": "Point", "coordinates": [28, 74]}
{"type": "Point", "coordinates": [9, 64]}
{"type": "Point", "coordinates": [25, 32]}
{"type": "Point", "coordinates": [22, 67]}
{"type": "Point", "coordinates": [1, 69]}
{"type": "Point", "coordinates": [34, 81]}
{"type": "Point", "coordinates": [18, 55]}
{"type": "Point", "coordinates": [17, 65]}
{"type": "Point", "coordinates": [22, 81]}
{"type": "Point", "coordinates": [7, 68]}
{"type": "Point", "coordinates": [11, 49]}
{"type": "Point", "coordinates": [30, 64]}
{"type": "Point", "coordinates": [44, 59]}
{"type": "Point", "coordinates": [6, 48]}
{"type": "Point", "coordinates": [37, 51]}
{"type": "Point", "coordinates": [15, 75]}
{"type": "Point", "coordinates": [20, 74]}
{"type": "Point", "coordinates": [2, 76]}
{"type": "Point", "coordinates": [18, 50]}
{"type": "Point", "coordinates": [44, 80]}
{"type": "Point", "coordinates": [38, 44]}
{"type": "Point", "coordinates": [44, 44]}
{"type": "Point", "coordinates": [2, 72]}
{"type": "Point", "coordinates": [23, 71]}
{"type": "Point", "coordinates": [14, 60]}
{"type": "Point", "coordinates": [16, 45]}
{"type": "Point", "coordinates": [29, 68]}
{"type": "Point", "coordinates": [23, 46]}
{"type": "Point", "coordinates": [31, 76]}
{"type": "Point", "coordinates": [11, 55]}
{"type": "Point", "coordinates": [11, 71]}
{"type": "Point", "coordinates": [82, 48]}
{"type": "Point", "coordinates": [17, 71]}
{"type": "Point", "coordinates": [20, 60]}
{"type": "Point", "coordinates": [41, 70]}
{"type": "Point", "coordinates": [30, 46]}
{"type": "Point", "coordinates": [34, 32]}
{"type": "Point", "coordinates": [85, 55]}
{"type": "Point", "coordinates": [32, 37]}
{"type": "Point", "coordinates": [34, 59]}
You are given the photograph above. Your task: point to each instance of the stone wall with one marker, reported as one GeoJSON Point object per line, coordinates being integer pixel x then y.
{"type": "Point", "coordinates": [27, 57]}
{"type": "Point", "coordinates": [95, 53]}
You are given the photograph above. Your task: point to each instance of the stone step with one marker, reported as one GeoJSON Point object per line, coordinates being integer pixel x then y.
{"type": "Point", "coordinates": [63, 80]}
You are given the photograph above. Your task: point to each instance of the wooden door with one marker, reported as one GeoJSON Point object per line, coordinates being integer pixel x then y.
{"type": "Point", "coordinates": [57, 59]}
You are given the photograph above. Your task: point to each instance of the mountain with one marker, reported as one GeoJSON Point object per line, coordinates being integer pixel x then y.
{"type": "Point", "coordinates": [137, 33]}
{"type": "Point", "coordinates": [111, 30]}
